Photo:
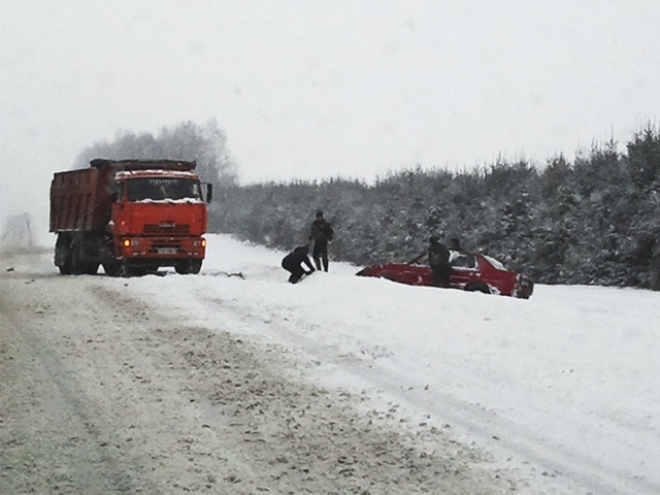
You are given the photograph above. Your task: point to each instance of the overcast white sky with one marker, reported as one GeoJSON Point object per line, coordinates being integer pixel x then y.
{"type": "Point", "coordinates": [314, 89]}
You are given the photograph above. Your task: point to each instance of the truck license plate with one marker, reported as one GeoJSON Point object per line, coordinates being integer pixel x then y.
{"type": "Point", "coordinates": [167, 250]}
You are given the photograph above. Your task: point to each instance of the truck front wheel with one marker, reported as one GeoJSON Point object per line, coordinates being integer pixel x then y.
{"type": "Point", "coordinates": [114, 268]}
{"type": "Point", "coordinates": [188, 266]}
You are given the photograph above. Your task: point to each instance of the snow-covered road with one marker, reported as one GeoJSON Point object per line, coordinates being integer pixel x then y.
{"type": "Point", "coordinates": [559, 393]}
{"type": "Point", "coordinates": [562, 387]}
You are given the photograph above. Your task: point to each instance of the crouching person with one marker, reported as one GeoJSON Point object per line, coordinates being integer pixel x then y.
{"type": "Point", "coordinates": [293, 261]}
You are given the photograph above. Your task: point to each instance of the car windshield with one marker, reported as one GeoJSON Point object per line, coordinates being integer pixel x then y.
{"type": "Point", "coordinates": [160, 189]}
{"type": "Point", "coordinates": [495, 263]}
{"type": "Point", "coordinates": [462, 260]}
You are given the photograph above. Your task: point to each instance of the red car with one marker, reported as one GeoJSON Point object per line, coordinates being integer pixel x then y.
{"type": "Point", "coordinates": [471, 272]}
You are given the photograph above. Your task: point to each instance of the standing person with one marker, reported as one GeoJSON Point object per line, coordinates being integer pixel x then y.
{"type": "Point", "coordinates": [321, 234]}
{"type": "Point", "coordinates": [458, 256]}
{"type": "Point", "coordinates": [293, 261]}
{"type": "Point", "coordinates": [455, 245]}
{"type": "Point", "coordinates": [439, 262]}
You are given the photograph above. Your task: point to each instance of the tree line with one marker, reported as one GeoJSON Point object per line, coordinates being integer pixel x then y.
{"type": "Point", "coordinates": [595, 220]}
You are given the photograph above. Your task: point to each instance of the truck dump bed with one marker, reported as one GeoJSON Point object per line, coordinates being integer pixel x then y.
{"type": "Point", "coordinates": [73, 199]}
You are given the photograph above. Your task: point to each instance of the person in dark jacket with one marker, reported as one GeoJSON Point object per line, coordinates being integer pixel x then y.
{"type": "Point", "coordinates": [438, 256]}
{"type": "Point", "coordinates": [321, 234]}
{"type": "Point", "coordinates": [455, 245]}
{"type": "Point", "coordinates": [293, 262]}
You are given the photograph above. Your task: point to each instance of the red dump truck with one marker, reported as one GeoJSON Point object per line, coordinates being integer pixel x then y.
{"type": "Point", "coordinates": [129, 216]}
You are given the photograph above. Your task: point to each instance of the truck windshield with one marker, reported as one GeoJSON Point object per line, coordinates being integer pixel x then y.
{"type": "Point", "coordinates": [160, 189]}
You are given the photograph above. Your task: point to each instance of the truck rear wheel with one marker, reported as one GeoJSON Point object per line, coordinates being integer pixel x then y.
{"type": "Point", "coordinates": [90, 267]}
{"type": "Point", "coordinates": [74, 260]}
{"type": "Point", "coordinates": [63, 254]}
{"type": "Point", "coordinates": [65, 269]}
{"type": "Point", "coordinates": [65, 266]}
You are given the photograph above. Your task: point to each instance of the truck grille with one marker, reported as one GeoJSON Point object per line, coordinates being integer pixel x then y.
{"type": "Point", "coordinates": [166, 228]}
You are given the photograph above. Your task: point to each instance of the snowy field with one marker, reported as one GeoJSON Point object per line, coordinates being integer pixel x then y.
{"type": "Point", "coordinates": [562, 387]}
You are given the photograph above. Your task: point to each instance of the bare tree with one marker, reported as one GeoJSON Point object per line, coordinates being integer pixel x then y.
{"type": "Point", "coordinates": [204, 144]}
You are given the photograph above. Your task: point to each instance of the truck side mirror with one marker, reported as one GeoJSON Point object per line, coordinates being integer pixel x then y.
{"type": "Point", "coordinates": [209, 192]}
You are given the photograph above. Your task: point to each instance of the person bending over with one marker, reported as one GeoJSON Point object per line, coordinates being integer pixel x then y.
{"type": "Point", "coordinates": [293, 262]}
